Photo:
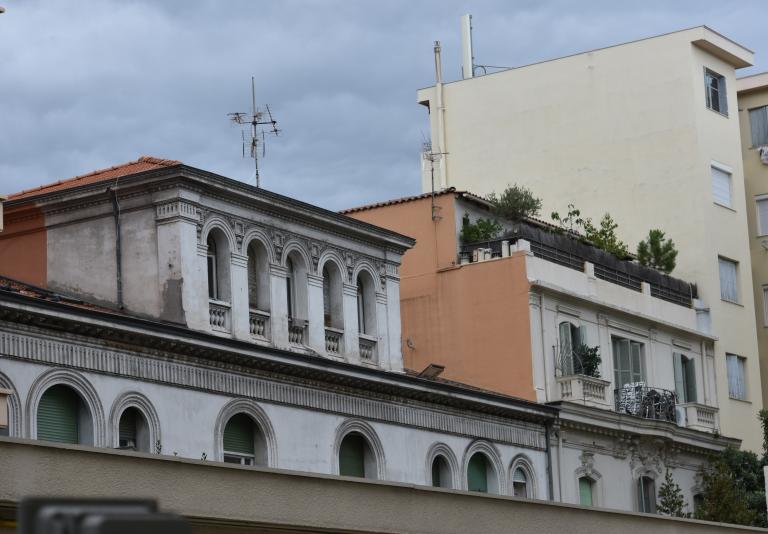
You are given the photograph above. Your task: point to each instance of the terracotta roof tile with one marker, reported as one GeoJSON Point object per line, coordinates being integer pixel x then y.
{"type": "Point", "coordinates": [11, 285]}
{"type": "Point", "coordinates": [144, 163]}
{"type": "Point", "coordinates": [402, 200]}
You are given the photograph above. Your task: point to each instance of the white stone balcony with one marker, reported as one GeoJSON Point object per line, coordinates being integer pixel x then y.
{"type": "Point", "coordinates": [258, 324]}
{"type": "Point", "coordinates": [219, 315]}
{"type": "Point", "coordinates": [586, 390]}
{"type": "Point", "coordinates": [333, 340]}
{"type": "Point", "coordinates": [367, 348]}
{"type": "Point", "coordinates": [297, 331]}
{"type": "Point", "coordinates": [698, 416]}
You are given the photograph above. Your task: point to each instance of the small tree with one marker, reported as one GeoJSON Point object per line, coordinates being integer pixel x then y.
{"type": "Point", "coordinates": [589, 359]}
{"type": "Point", "coordinates": [671, 500]}
{"type": "Point", "coordinates": [657, 251]}
{"type": "Point", "coordinates": [482, 230]}
{"type": "Point", "coordinates": [515, 202]}
{"type": "Point", "coordinates": [571, 221]}
{"type": "Point", "coordinates": [604, 236]}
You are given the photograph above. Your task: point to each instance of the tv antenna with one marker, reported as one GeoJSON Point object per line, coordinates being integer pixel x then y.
{"type": "Point", "coordinates": [258, 119]}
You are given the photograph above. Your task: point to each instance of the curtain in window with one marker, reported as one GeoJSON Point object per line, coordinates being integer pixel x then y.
{"type": "Point", "coordinates": [758, 119]}
{"type": "Point", "coordinates": [762, 216]}
{"type": "Point", "coordinates": [728, 289]}
{"type": "Point", "coordinates": [721, 187]}
{"type": "Point", "coordinates": [737, 388]}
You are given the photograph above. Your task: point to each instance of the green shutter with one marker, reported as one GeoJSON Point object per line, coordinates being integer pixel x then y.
{"type": "Point", "coordinates": [239, 434]}
{"type": "Point", "coordinates": [57, 415]}
{"type": "Point", "coordinates": [477, 473]}
{"type": "Point", "coordinates": [352, 456]}
{"type": "Point", "coordinates": [677, 362]}
{"type": "Point", "coordinates": [690, 380]}
{"type": "Point", "coordinates": [585, 492]}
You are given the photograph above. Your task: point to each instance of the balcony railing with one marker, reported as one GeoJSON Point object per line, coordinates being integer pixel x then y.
{"type": "Point", "coordinates": [333, 339]}
{"type": "Point", "coordinates": [586, 390]}
{"type": "Point", "coordinates": [218, 315]}
{"type": "Point", "coordinates": [698, 416]}
{"type": "Point", "coordinates": [367, 348]}
{"type": "Point", "coordinates": [258, 324]}
{"type": "Point", "coordinates": [647, 402]}
{"type": "Point", "coordinates": [297, 331]}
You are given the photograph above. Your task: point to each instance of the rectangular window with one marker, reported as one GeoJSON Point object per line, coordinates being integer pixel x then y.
{"type": "Point", "coordinates": [627, 361]}
{"type": "Point", "coordinates": [721, 187]}
{"type": "Point", "coordinates": [685, 378]}
{"type": "Point", "coordinates": [737, 386]}
{"type": "Point", "coordinates": [765, 305]}
{"type": "Point", "coordinates": [646, 490]}
{"type": "Point", "coordinates": [758, 120]}
{"type": "Point", "coordinates": [714, 86]}
{"type": "Point", "coordinates": [762, 216]}
{"type": "Point", "coordinates": [586, 497]}
{"type": "Point", "coordinates": [729, 287]}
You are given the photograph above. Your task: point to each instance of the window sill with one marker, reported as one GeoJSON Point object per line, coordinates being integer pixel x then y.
{"type": "Point", "coordinates": [718, 112]}
{"type": "Point", "coordinates": [739, 304]}
{"type": "Point", "coordinates": [724, 206]}
{"type": "Point", "coordinates": [744, 401]}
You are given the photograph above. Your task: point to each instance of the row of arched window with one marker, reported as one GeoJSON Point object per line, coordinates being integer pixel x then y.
{"type": "Point", "coordinates": [297, 269]}
{"type": "Point", "coordinates": [244, 436]}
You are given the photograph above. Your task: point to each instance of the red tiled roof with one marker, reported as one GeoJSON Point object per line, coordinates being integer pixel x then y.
{"type": "Point", "coordinates": [402, 200]}
{"type": "Point", "coordinates": [28, 290]}
{"type": "Point", "coordinates": [144, 163]}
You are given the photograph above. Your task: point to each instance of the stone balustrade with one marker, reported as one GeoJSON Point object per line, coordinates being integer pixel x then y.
{"type": "Point", "coordinates": [258, 323]}
{"type": "Point", "coordinates": [586, 390]}
{"type": "Point", "coordinates": [333, 340]}
{"type": "Point", "coordinates": [218, 313]}
{"type": "Point", "coordinates": [699, 416]}
{"type": "Point", "coordinates": [367, 348]}
{"type": "Point", "coordinates": [297, 331]}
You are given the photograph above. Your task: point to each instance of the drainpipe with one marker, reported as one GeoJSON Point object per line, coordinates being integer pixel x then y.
{"type": "Point", "coordinates": [440, 116]}
{"type": "Point", "coordinates": [118, 247]}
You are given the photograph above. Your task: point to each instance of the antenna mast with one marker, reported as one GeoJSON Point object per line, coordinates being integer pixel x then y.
{"type": "Point", "coordinates": [257, 140]}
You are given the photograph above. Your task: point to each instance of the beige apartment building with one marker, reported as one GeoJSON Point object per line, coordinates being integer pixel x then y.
{"type": "Point", "coordinates": [648, 131]}
{"type": "Point", "coordinates": [753, 117]}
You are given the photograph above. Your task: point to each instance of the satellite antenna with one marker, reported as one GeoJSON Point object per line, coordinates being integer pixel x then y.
{"type": "Point", "coordinates": [256, 139]}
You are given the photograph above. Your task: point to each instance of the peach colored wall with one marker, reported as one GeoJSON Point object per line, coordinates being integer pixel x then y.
{"type": "Point", "coordinates": [23, 245]}
{"type": "Point", "coordinates": [473, 319]}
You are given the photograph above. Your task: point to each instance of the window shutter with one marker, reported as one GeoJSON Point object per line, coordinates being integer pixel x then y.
{"type": "Point", "coordinates": [582, 337]}
{"type": "Point", "coordinates": [762, 216]}
{"type": "Point", "coordinates": [728, 288]}
{"type": "Point", "coordinates": [677, 361]}
{"type": "Point", "coordinates": [352, 456]}
{"type": "Point", "coordinates": [566, 348]}
{"type": "Point", "coordinates": [758, 120]}
{"type": "Point", "coordinates": [637, 362]}
{"type": "Point", "coordinates": [721, 186]}
{"type": "Point", "coordinates": [585, 492]}
{"type": "Point", "coordinates": [57, 415]}
{"type": "Point", "coordinates": [477, 476]}
{"type": "Point", "coordinates": [722, 93]}
{"type": "Point", "coordinates": [239, 434]}
{"type": "Point", "coordinates": [690, 380]}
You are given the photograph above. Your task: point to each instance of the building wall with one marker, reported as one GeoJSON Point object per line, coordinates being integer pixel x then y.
{"type": "Point", "coordinates": [302, 439]}
{"type": "Point", "coordinates": [23, 246]}
{"type": "Point", "coordinates": [756, 185]}
{"type": "Point", "coordinates": [242, 500]}
{"type": "Point", "coordinates": [472, 319]}
{"type": "Point", "coordinates": [626, 130]}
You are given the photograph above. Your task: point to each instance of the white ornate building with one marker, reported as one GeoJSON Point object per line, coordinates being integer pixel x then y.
{"type": "Point", "coordinates": [184, 313]}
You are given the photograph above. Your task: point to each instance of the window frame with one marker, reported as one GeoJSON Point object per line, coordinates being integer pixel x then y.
{"type": "Point", "coordinates": [721, 260]}
{"type": "Point", "coordinates": [742, 369]}
{"type": "Point", "coordinates": [754, 145]}
{"type": "Point", "coordinates": [727, 170]}
{"type": "Point", "coordinates": [615, 358]}
{"type": "Point", "coordinates": [592, 485]}
{"type": "Point", "coordinates": [761, 232]}
{"type": "Point", "coordinates": [648, 507]}
{"type": "Point", "coordinates": [211, 262]}
{"type": "Point", "coordinates": [765, 305]}
{"type": "Point", "coordinates": [722, 91]}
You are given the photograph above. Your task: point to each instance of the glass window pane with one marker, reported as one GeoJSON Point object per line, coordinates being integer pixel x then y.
{"type": "Point", "coordinates": [721, 186]}
{"type": "Point", "coordinates": [758, 120]}
{"type": "Point", "coordinates": [728, 281]}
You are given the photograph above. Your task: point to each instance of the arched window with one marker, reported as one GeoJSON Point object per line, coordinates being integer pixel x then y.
{"type": "Point", "coordinates": [520, 485]}
{"type": "Point", "coordinates": [63, 416]}
{"type": "Point", "coordinates": [441, 472]}
{"type": "Point", "coordinates": [296, 293]}
{"type": "Point", "coordinates": [243, 443]}
{"type": "Point", "coordinates": [356, 458]}
{"type": "Point", "coordinates": [218, 265]}
{"type": "Point", "coordinates": [332, 296]}
{"type": "Point", "coordinates": [646, 494]}
{"type": "Point", "coordinates": [571, 337]}
{"type": "Point", "coordinates": [133, 430]}
{"type": "Point", "coordinates": [258, 276]}
{"type": "Point", "coordinates": [478, 471]}
{"type": "Point", "coordinates": [586, 491]}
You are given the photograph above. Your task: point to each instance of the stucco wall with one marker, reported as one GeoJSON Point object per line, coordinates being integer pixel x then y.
{"type": "Point", "coordinates": [23, 251]}
{"type": "Point", "coordinates": [235, 499]}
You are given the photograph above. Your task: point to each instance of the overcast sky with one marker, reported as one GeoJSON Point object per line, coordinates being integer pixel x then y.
{"type": "Point", "coordinates": [90, 84]}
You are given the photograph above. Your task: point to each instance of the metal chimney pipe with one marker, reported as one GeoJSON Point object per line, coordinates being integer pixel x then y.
{"type": "Point", "coordinates": [467, 55]}
{"type": "Point", "coordinates": [438, 64]}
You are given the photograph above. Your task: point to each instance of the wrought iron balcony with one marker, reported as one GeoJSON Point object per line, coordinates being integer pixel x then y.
{"type": "Point", "coordinates": [647, 402]}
